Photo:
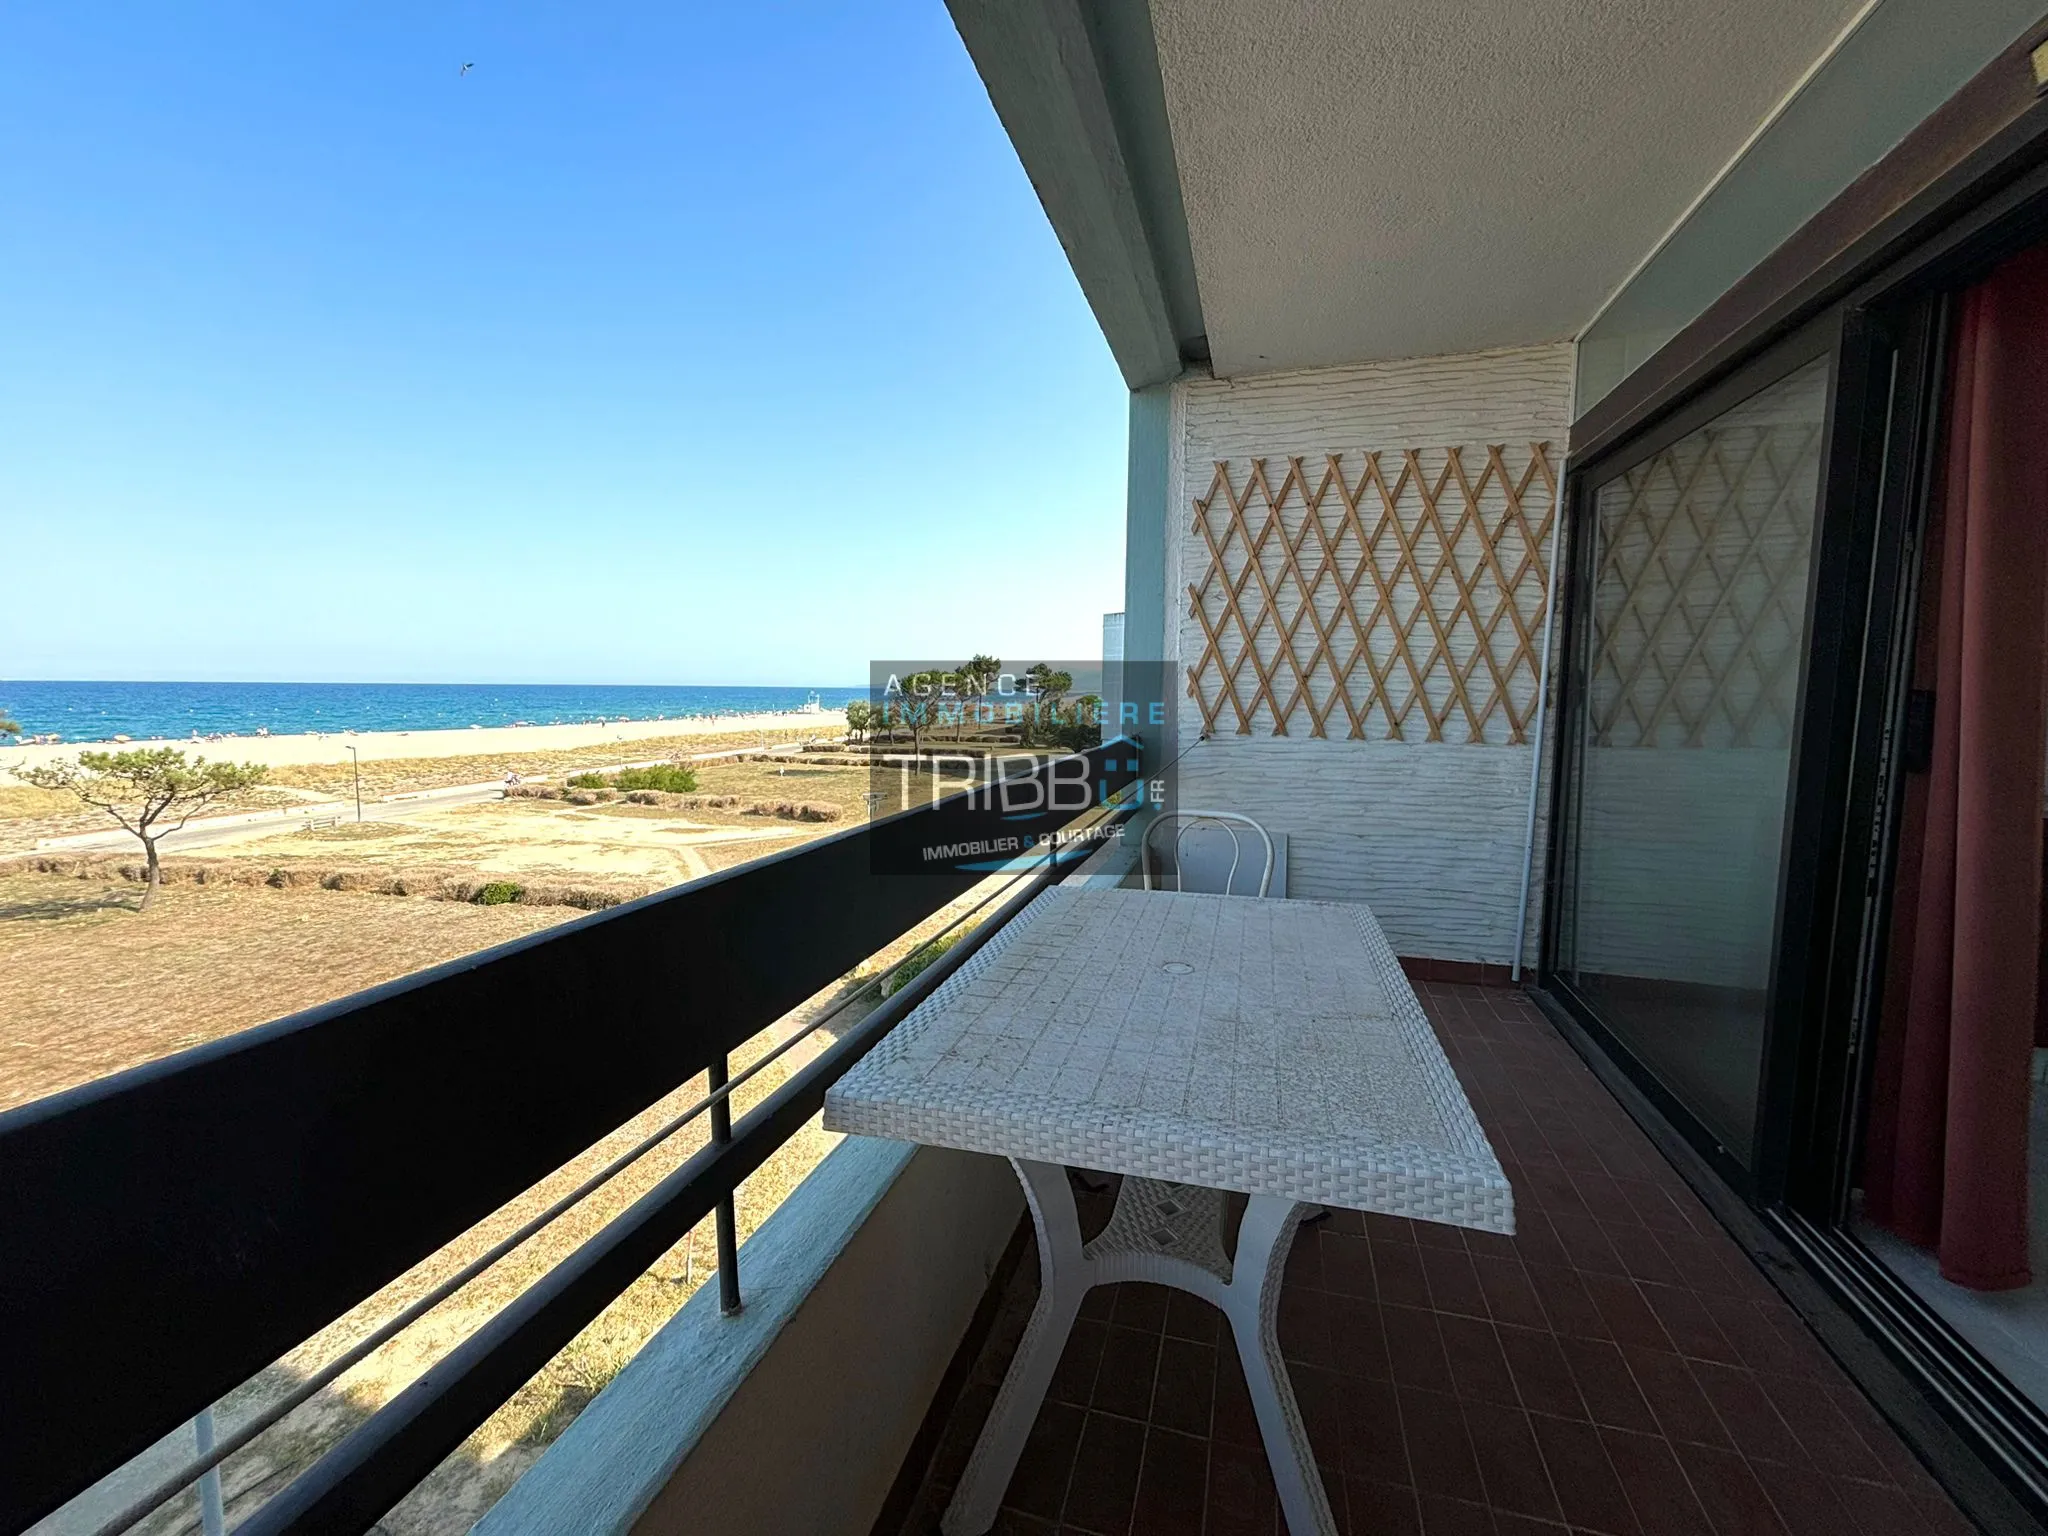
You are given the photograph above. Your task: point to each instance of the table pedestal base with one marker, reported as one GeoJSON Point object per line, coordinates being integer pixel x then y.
{"type": "Point", "coordinates": [1169, 1234]}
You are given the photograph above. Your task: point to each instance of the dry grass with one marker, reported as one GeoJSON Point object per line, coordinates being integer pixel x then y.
{"type": "Point", "coordinates": [841, 786]}
{"type": "Point", "coordinates": [380, 878]}
{"type": "Point", "coordinates": [398, 775]}
{"type": "Point", "coordinates": [603, 845]}
{"type": "Point", "coordinates": [821, 782]}
{"type": "Point", "coordinates": [352, 832]}
{"type": "Point", "coordinates": [24, 802]}
{"type": "Point", "coordinates": [94, 987]}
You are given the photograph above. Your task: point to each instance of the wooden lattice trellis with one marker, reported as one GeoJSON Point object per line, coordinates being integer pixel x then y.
{"type": "Point", "coordinates": [1700, 591]}
{"type": "Point", "coordinates": [1405, 593]}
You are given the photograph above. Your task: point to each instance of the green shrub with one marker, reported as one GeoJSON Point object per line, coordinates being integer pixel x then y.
{"type": "Point", "coordinates": [671, 777]}
{"type": "Point", "coordinates": [588, 897]}
{"type": "Point", "coordinates": [499, 892]}
{"type": "Point", "coordinates": [909, 970]}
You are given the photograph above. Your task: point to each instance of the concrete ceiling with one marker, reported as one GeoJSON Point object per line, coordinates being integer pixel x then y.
{"type": "Point", "coordinates": [1368, 179]}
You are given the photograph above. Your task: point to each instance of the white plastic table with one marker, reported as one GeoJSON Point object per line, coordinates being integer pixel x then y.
{"type": "Point", "coordinates": [1196, 1045]}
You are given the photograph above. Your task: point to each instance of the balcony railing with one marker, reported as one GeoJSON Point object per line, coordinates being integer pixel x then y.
{"type": "Point", "coordinates": [172, 1230]}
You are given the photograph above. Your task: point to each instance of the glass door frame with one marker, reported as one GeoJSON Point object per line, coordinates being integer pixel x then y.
{"type": "Point", "coordinates": [1825, 1078]}
{"type": "Point", "coordinates": [1750, 1170]}
{"type": "Point", "coordinates": [1885, 341]}
{"type": "Point", "coordinates": [1902, 318]}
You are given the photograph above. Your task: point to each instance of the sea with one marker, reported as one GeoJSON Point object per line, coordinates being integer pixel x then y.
{"type": "Point", "coordinates": [93, 711]}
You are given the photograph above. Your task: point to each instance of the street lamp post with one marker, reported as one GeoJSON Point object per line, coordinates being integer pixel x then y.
{"type": "Point", "coordinates": [356, 759]}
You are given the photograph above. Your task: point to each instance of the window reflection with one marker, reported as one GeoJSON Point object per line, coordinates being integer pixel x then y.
{"type": "Point", "coordinates": [1688, 675]}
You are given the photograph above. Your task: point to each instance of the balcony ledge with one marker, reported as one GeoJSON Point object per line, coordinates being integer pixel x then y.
{"type": "Point", "coordinates": [858, 1290]}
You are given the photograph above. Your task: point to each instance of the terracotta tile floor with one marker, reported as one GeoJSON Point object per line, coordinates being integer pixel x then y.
{"type": "Point", "coordinates": [1618, 1366]}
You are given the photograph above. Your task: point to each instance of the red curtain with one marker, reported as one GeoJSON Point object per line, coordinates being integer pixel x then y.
{"type": "Point", "coordinates": [1945, 1163]}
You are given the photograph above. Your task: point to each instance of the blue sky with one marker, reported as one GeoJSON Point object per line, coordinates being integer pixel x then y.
{"type": "Point", "coordinates": [672, 343]}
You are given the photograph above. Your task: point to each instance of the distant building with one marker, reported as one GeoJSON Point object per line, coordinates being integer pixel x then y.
{"type": "Point", "coordinates": [1112, 670]}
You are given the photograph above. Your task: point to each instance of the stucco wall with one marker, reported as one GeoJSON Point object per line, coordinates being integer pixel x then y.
{"type": "Point", "coordinates": [1428, 832]}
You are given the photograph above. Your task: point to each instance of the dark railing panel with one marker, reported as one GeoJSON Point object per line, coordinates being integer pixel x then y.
{"type": "Point", "coordinates": [169, 1231]}
{"type": "Point", "coordinates": [351, 1487]}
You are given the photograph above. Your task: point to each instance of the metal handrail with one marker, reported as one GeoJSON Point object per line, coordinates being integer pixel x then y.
{"type": "Point", "coordinates": [215, 1450]}
{"type": "Point", "coordinates": [354, 1483]}
{"type": "Point", "coordinates": [254, 1228]}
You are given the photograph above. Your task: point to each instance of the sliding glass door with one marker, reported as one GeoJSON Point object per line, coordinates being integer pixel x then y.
{"type": "Point", "coordinates": [1690, 626]}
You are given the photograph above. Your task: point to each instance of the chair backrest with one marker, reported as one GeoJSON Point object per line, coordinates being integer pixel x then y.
{"type": "Point", "coordinates": [1197, 847]}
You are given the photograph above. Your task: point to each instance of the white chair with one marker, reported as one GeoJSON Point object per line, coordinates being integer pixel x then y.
{"type": "Point", "coordinates": [1198, 850]}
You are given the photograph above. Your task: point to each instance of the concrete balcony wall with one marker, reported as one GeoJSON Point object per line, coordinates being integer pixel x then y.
{"type": "Point", "coordinates": [793, 1418]}
{"type": "Point", "coordinates": [1430, 833]}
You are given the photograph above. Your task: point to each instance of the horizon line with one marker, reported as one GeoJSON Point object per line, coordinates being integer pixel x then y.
{"type": "Point", "coordinates": [290, 682]}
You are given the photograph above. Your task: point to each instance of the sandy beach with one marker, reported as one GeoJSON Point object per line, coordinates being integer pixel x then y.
{"type": "Point", "coordinates": [385, 746]}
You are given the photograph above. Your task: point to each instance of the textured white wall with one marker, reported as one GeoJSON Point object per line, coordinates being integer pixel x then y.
{"type": "Point", "coordinates": [1430, 835]}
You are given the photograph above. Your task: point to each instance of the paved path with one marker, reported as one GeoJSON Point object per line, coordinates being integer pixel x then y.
{"type": "Point", "coordinates": [245, 825]}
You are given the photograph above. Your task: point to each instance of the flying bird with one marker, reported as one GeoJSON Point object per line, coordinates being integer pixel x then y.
{"type": "Point", "coordinates": [464, 70]}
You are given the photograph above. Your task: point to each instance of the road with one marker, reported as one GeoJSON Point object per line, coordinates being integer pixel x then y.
{"type": "Point", "coordinates": [214, 830]}
{"type": "Point", "coordinates": [246, 825]}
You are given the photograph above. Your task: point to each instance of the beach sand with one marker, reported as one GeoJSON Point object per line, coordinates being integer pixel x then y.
{"type": "Point", "coordinates": [385, 746]}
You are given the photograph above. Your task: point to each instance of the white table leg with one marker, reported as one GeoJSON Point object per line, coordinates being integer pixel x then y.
{"type": "Point", "coordinates": [1067, 1270]}
{"type": "Point", "coordinates": [1253, 1306]}
{"type": "Point", "coordinates": [1063, 1279]}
